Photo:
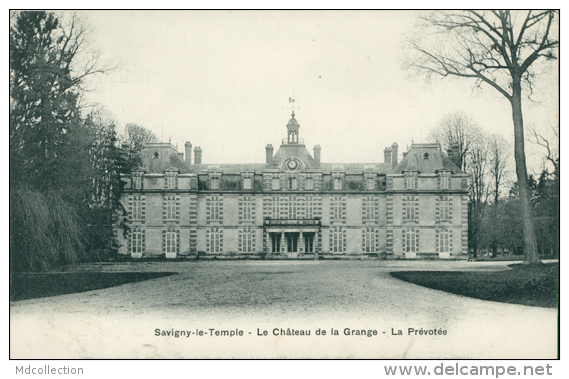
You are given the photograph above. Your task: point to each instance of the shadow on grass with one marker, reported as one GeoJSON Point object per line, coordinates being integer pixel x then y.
{"type": "Point", "coordinates": [526, 285]}
{"type": "Point", "coordinates": [33, 286]}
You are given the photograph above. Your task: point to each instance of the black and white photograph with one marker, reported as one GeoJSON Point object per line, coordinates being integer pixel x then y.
{"type": "Point", "coordinates": [284, 184]}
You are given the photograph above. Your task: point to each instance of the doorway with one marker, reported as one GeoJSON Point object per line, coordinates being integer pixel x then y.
{"type": "Point", "coordinates": [292, 242]}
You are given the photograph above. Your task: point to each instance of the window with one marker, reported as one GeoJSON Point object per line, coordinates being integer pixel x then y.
{"type": "Point", "coordinates": [426, 156]}
{"type": "Point", "coordinates": [337, 240]}
{"type": "Point", "coordinates": [369, 241]}
{"type": "Point", "coordinates": [215, 240]}
{"type": "Point", "coordinates": [171, 182]}
{"type": "Point", "coordinates": [292, 183]}
{"type": "Point", "coordinates": [215, 208]}
{"type": "Point", "coordinates": [171, 242]}
{"type": "Point", "coordinates": [444, 242]}
{"type": "Point", "coordinates": [137, 182]}
{"type": "Point", "coordinates": [445, 182]}
{"type": "Point", "coordinates": [309, 184]}
{"type": "Point", "coordinates": [369, 209]}
{"type": "Point", "coordinates": [409, 209]}
{"type": "Point", "coordinates": [247, 240]}
{"type": "Point", "coordinates": [156, 155]}
{"type": "Point", "coordinates": [170, 209]}
{"type": "Point", "coordinates": [309, 210]}
{"type": "Point", "coordinates": [337, 206]}
{"type": "Point", "coordinates": [410, 182]}
{"type": "Point", "coordinates": [410, 241]}
{"type": "Point", "coordinates": [136, 241]}
{"type": "Point", "coordinates": [276, 184]}
{"type": "Point", "coordinates": [337, 184]}
{"type": "Point", "coordinates": [275, 207]}
{"type": "Point", "coordinates": [137, 209]}
{"type": "Point", "coordinates": [214, 183]}
{"type": "Point", "coordinates": [247, 208]}
{"type": "Point", "coordinates": [283, 208]}
{"type": "Point", "coordinates": [247, 183]}
{"type": "Point", "coordinates": [370, 184]}
{"type": "Point", "coordinates": [444, 214]}
{"type": "Point", "coordinates": [292, 208]}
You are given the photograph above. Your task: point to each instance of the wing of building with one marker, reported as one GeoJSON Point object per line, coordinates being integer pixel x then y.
{"type": "Point", "coordinates": [295, 206]}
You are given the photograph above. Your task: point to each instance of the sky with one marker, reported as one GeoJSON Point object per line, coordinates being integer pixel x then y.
{"type": "Point", "coordinates": [222, 80]}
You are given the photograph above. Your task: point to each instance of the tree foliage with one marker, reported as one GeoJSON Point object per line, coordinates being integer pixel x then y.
{"type": "Point", "coordinates": [499, 49]}
{"type": "Point", "coordinates": [49, 141]}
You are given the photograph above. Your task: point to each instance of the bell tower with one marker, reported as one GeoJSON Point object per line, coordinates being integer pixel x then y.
{"type": "Point", "coordinates": [292, 128]}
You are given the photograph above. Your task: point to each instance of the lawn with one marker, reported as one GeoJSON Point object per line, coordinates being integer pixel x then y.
{"type": "Point", "coordinates": [32, 286]}
{"type": "Point", "coordinates": [527, 285]}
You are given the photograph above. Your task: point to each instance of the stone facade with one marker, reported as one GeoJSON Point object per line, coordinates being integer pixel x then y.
{"type": "Point", "coordinates": [294, 206]}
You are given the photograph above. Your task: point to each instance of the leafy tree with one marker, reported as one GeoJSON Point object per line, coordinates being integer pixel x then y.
{"type": "Point", "coordinates": [497, 49]}
{"type": "Point", "coordinates": [48, 143]}
{"type": "Point", "coordinates": [106, 164]}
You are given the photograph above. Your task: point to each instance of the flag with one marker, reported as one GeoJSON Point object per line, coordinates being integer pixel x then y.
{"type": "Point", "coordinates": [290, 100]}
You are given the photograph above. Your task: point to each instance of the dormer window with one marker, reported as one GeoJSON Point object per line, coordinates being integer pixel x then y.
{"type": "Point", "coordinates": [171, 178]}
{"type": "Point", "coordinates": [445, 181]}
{"type": "Point", "coordinates": [411, 180]}
{"type": "Point", "coordinates": [337, 184]}
{"type": "Point", "coordinates": [171, 182]}
{"type": "Point", "coordinates": [137, 182]}
{"type": "Point", "coordinates": [247, 183]}
{"type": "Point", "coordinates": [276, 184]}
{"type": "Point", "coordinates": [292, 183]}
{"type": "Point", "coordinates": [214, 184]}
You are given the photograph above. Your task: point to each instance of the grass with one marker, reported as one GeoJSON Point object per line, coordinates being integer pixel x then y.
{"type": "Point", "coordinates": [33, 286]}
{"type": "Point", "coordinates": [527, 285]}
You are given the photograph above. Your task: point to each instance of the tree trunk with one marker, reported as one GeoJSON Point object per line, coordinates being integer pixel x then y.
{"type": "Point", "coordinates": [530, 242]}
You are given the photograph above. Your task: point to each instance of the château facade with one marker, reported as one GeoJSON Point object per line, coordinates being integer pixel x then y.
{"type": "Point", "coordinates": [295, 206]}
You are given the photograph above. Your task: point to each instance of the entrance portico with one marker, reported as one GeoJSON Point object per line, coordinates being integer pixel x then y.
{"type": "Point", "coordinates": [292, 242]}
{"type": "Point", "coordinates": [292, 237]}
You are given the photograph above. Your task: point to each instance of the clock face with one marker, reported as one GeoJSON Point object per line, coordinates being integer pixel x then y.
{"type": "Point", "coordinates": [292, 165]}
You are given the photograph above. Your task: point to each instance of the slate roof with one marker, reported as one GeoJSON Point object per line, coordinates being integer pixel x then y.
{"type": "Point", "coordinates": [414, 160]}
{"type": "Point", "coordinates": [168, 158]}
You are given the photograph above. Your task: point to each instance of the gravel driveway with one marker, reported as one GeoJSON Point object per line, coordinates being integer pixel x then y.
{"type": "Point", "coordinates": [357, 299]}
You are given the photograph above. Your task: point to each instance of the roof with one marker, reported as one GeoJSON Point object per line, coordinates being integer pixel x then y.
{"type": "Point", "coordinates": [292, 123]}
{"type": "Point", "coordinates": [416, 160]}
{"type": "Point", "coordinates": [356, 168]}
{"type": "Point", "coordinates": [157, 157]}
{"type": "Point", "coordinates": [230, 168]}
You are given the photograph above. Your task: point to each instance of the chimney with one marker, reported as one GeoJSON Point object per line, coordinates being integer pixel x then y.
{"type": "Point", "coordinates": [394, 147]}
{"type": "Point", "coordinates": [317, 150]}
{"type": "Point", "coordinates": [269, 149]}
{"type": "Point", "coordinates": [455, 154]}
{"type": "Point", "coordinates": [405, 154]}
{"type": "Point", "coordinates": [387, 155]}
{"type": "Point", "coordinates": [188, 146]}
{"type": "Point", "coordinates": [198, 155]}
{"type": "Point", "coordinates": [181, 155]}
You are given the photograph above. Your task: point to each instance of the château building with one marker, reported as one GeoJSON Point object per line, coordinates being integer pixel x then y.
{"type": "Point", "coordinates": [295, 206]}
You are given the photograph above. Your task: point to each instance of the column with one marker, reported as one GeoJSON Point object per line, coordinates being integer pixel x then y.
{"type": "Point", "coordinates": [283, 243]}
{"type": "Point", "coordinates": [301, 244]}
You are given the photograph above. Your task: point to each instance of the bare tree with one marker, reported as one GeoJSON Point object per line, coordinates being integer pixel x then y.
{"type": "Point", "coordinates": [136, 136]}
{"type": "Point", "coordinates": [498, 170]}
{"type": "Point", "coordinates": [498, 163]}
{"type": "Point", "coordinates": [457, 128]}
{"type": "Point", "coordinates": [551, 153]}
{"type": "Point", "coordinates": [495, 48]}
